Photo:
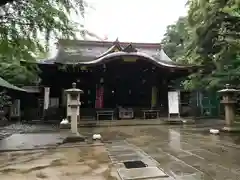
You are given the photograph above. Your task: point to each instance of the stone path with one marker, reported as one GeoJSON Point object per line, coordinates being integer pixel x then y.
{"type": "Point", "coordinates": [122, 152]}
{"type": "Point", "coordinates": [182, 152]}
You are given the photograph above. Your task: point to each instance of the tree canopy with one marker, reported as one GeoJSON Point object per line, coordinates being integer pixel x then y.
{"type": "Point", "coordinates": [208, 36]}
{"type": "Point", "coordinates": [26, 28]}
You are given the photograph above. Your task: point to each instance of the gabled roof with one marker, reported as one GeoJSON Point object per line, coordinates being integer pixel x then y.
{"type": "Point", "coordinates": [130, 48]}
{"type": "Point", "coordinates": [94, 52]}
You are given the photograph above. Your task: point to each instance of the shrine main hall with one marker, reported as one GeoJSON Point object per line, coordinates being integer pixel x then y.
{"type": "Point", "coordinates": [119, 80]}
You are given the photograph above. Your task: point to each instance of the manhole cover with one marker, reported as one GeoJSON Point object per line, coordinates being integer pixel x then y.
{"type": "Point", "coordinates": [134, 164]}
{"type": "Point", "coordinates": [141, 173]}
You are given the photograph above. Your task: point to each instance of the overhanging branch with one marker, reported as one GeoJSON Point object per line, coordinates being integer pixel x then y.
{"type": "Point", "coordinates": [3, 2]}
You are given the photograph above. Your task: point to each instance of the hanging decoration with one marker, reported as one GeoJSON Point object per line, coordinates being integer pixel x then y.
{"type": "Point", "coordinates": [101, 80]}
{"type": "Point", "coordinates": [99, 97]}
{"type": "Point", "coordinates": [130, 91]}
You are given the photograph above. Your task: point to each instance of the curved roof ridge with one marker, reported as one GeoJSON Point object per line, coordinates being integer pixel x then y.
{"type": "Point", "coordinates": [139, 54]}
{"type": "Point", "coordinates": [161, 55]}
{"type": "Point", "coordinates": [164, 56]}
{"type": "Point", "coordinates": [160, 59]}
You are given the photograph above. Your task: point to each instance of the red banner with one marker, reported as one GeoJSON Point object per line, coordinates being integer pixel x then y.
{"type": "Point", "coordinates": [99, 98]}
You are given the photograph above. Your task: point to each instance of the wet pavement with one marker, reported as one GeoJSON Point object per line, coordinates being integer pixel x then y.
{"type": "Point", "coordinates": [20, 128]}
{"type": "Point", "coordinates": [182, 152]}
{"type": "Point", "coordinates": [31, 141]}
{"type": "Point", "coordinates": [85, 163]}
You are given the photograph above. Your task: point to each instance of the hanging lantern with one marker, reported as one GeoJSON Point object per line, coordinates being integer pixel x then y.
{"type": "Point", "coordinates": [104, 68]}
{"type": "Point", "coordinates": [101, 80]}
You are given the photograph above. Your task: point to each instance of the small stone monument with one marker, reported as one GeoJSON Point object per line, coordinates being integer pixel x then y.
{"type": "Point", "coordinates": [74, 103]}
{"type": "Point", "coordinates": [229, 105]}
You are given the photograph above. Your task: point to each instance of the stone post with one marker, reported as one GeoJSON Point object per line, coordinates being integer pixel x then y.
{"type": "Point", "coordinates": [229, 103]}
{"type": "Point", "coordinates": [73, 95]}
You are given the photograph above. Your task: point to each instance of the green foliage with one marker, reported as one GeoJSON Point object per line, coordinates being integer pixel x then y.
{"type": "Point", "coordinates": [26, 28]}
{"type": "Point", "coordinates": [5, 100]}
{"type": "Point", "coordinates": [175, 39]}
{"type": "Point", "coordinates": [24, 74]}
{"type": "Point", "coordinates": [212, 40]}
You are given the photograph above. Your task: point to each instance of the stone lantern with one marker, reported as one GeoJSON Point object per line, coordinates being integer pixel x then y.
{"type": "Point", "coordinates": [73, 96]}
{"type": "Point", "coordinates": [229, 105]}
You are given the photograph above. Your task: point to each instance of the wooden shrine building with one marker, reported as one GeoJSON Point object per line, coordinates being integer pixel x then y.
{"type": "Point", "coordinates": [118, 78]}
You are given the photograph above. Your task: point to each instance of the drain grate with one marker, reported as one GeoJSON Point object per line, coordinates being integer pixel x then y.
{"type": "Point", "coordinates": [134, 164]}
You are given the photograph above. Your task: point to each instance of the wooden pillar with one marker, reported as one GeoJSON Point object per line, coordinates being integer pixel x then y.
{"type": "Point", "coordinates": [154, 90]}
{"type": "Point", "coordinates": [154, 96]}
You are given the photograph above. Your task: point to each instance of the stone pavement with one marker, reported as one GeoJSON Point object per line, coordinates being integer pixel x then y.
{"type": "Point", "coordinates": [181, 152]}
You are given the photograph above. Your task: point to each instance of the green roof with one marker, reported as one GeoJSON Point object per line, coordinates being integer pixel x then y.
{"type": "Point", "coordinates": [4, 83]}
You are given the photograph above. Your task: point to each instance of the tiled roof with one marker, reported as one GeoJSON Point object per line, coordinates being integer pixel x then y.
{"type": "Point", "coordinates": [91, 52]}
{"type": "Point", "coordinates": [5, 84]}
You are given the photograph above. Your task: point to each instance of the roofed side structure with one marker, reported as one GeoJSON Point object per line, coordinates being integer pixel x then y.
{"type": "Point", "coordinates": [94, 52]}
{"type": "Point", "coordinates": [6, 84]}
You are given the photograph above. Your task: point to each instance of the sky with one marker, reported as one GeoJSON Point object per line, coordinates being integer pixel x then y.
{"type": "Point", "coordinates": [131, 20]}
